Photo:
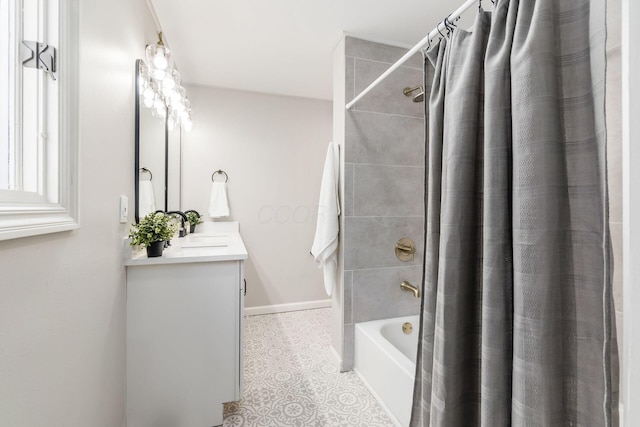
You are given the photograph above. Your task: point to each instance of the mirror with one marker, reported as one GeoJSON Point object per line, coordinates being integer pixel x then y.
{"type": "Point", "coordinates": [174, 162]}
{"type": "Point", "coordinates": [157, 156]}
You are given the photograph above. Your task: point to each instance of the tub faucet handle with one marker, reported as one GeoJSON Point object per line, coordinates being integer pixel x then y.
{"type": "Point", "coordinates": [405, 249]}
{"type": "Point", "coordinates": [406, 286]}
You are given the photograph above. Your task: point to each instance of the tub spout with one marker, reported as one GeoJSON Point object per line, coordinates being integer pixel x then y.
{"type": "Point", "coordinates": [406, 286]}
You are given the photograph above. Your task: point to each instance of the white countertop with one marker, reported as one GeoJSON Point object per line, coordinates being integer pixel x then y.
{"type": "Point", "coordinates": [213, 241]}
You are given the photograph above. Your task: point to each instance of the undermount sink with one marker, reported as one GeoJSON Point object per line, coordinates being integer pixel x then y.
{"type": "Point", "coordinates": [205, 241]}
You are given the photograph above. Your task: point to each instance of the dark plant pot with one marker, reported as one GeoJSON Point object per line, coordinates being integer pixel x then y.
{"type": "Point", "coordinates": [155, 249]}
{"type": "Point", "coordinates": [192, 228]}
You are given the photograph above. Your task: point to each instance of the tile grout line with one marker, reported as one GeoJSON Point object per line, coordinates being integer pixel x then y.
{"type": "Point", "coordinates": [385, 268]}
{"type": "Point", "coordinates": [377, 61]}
{"type": "Point", "coordinates": [356, 110]}
{"type": "Point", "coordinates": [353, 190]}
{"type": "Point", "coordinates": [390, 166]}
{"type": "Point", "coordinates": [403, 116]}
{"type": "Point", "coordinates": [353, 95]}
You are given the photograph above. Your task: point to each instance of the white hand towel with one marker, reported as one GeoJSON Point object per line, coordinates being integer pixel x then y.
{"type": "Point", "coordinates": [325, 243]}
{"type": "Point", "coordinates": [147, 201]}
{"type": "Point", "coordinates": [218, 204]}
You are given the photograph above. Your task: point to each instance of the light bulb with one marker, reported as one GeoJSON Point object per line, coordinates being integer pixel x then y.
{"type": "Point", "coordinates": [168, 83]}
{"type": "Point", "coordinates": [148, 102]}
{"type": "Point", "coordinates": [159, 106]}
{"type": "Point", "coordinates": [158, 56]}
{"type": "Point", "coordinates": [160, 111]}
{"type": "Point", "coordinates": [158, 74]}
{"type": "Point", "coordinates": [160, 62]}
{"type": "Point", "coordinates": [148, 93]}
{"type": "Point", "coordinates": [168, 87]}
{"type": "Point", "coordinates": [187, 125]}
{"type": "Point", "coordinates": [178, 95]}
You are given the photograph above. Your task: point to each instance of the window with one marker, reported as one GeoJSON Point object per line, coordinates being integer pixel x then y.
{"type": "Point", "coordinates": [38, 117]}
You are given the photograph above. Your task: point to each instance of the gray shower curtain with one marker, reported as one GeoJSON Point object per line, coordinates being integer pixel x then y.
{"type": "Point", "coordinates": [516, 326]}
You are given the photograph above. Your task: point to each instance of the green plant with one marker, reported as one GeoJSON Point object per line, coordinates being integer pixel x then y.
{"type": "Point", "coordinates": [152, 228]}
{"type": "Point", "coordinates": [193, 218]}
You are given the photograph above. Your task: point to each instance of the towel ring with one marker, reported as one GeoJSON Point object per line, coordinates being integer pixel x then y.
{"type": "Point", "coordinates": [147, 171]}
{"type": "Point", "coordinates": [220, 171]}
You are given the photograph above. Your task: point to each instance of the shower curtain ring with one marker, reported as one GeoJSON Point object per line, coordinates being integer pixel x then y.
{"type": "Point", "coordinates": [450, 26]}
{"type": "Point", "coordinates": [438, 28]}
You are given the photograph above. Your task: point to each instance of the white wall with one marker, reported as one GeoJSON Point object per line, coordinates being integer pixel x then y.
{"type": "Point", "coordinates": [62, 296]}
{"type": "Point", "coordinates": [273, 149]}
{"type": "Point", "coordinates": [339, 101]}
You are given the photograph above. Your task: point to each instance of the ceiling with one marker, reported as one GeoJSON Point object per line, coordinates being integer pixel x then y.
{"type": "Point", "coordinates": [283, 46]}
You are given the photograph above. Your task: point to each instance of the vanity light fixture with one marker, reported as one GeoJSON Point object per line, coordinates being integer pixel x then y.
{"type": "Point", "coordinates": [158, 58]}
{"type": "Point", "coordinates": [160, 87]}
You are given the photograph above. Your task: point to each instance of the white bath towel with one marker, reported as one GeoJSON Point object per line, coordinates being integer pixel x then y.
{"type": "Point", "coordinates": [147, 200]}
{"type": "Point", "coordinates": [218, 203]}
{"type": "Point", "coordinates": [325, 243]}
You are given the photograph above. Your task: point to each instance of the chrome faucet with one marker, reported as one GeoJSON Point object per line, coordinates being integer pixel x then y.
{"type": "Point", "coordinates": [406, 286]}
{"type": "Point", "coordinates": [183, 220]}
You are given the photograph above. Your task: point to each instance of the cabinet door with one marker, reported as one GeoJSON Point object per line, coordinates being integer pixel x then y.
{"type": "Point", "coordinates": [182, 333]}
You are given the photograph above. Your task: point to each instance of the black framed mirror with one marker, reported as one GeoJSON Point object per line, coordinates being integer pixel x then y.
{"type": "Point", "coordinates": [151, 169]}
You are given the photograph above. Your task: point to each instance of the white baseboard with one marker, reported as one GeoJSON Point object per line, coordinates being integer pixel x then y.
{"type": "Point", "coordinates": [283, 308]}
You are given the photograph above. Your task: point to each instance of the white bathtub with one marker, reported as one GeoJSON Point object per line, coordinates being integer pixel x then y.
{"type": "Point", "coordinates": [385, 360]}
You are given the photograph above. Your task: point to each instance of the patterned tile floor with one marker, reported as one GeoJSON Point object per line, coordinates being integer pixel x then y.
{"type": "Point", "coordinates": [292, 379]}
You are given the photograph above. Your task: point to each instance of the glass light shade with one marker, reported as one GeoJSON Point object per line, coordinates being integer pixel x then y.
{"type": "Point", "coordinates": [179, 106]}
{"type": "Point", "coordinates": [168, 83]}
{"type": "Point", "coordinates": [148, 102]}
{"type": "Point", "coordinates": [158, 74]}
{"type": "Point", "coordinates": [148, 92]}
{"type": "Point", "coordinates": [168, 90]}
{"type": "Point", "coordinates": [143, 76]}
{"type": "Point", "coordinates": [180, 93]}
{"type": "Point", "coordinates": [187, 125]}
{"type": "Point", "coordinates": [159, 112]}
{"type": "Point", "coordinates": [159, 107]}
{"type": "Point", "coordinates": [142, 83]}
{"type": "Point", "coordinates": [171, 122]}
{"type": "Point", "coordinates": [158, 56]}
{"type": "Point", "coordinates": [176, 77]}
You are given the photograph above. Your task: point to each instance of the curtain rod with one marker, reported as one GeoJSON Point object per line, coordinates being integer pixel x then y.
{"type": "Point", "coordinates": [455, 15]}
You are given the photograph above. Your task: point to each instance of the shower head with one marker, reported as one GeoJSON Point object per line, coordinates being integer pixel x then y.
{"type": "Point", "coordinates": [408, 91]}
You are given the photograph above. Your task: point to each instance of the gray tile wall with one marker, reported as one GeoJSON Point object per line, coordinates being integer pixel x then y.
{"type": "Point", "coordinates": [384, 187]}
{"type": "Point", "coordinates": [614, 153]}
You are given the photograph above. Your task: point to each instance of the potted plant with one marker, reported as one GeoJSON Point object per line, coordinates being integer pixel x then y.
{"type": "Point", "coordinates": [194, 219]}
{"type": "Point", "coordinates": [152, 231]}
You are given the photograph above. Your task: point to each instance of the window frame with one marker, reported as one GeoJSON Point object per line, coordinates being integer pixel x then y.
{"type": "Point", "coordinates": [55, 207]}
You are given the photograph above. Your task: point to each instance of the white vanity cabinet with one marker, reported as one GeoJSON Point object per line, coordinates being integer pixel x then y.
{"type": "Point", "coordinates": [184, 346]}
